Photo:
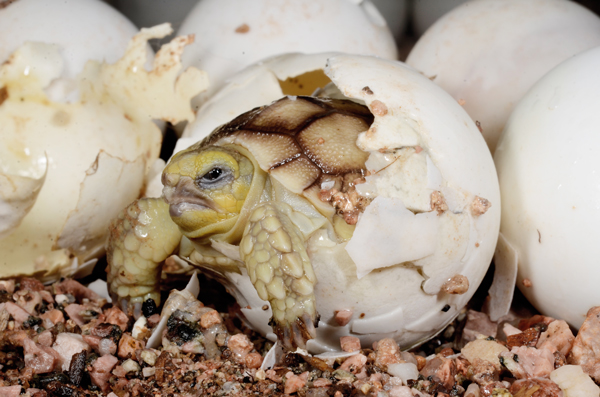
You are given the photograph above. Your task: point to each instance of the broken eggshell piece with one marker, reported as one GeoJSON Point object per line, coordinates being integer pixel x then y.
{"type": "Point", "coordinates": [430, 226]}
{"type": "Point", "coordinates": [97, 149]}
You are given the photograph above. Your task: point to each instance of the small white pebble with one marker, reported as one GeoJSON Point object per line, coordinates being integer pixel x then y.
{"type": "Point", "coordinates": [260, 375]}
{"type": "Point", "coordinates": [130, 366]}
{"type": "Point", "coordinates": [574, 382]}
{"type": "Point", "coordinates": [148, 371]}
{"type": "Point", "coordinates": [139, 328]}
{"type": "Point", "coordinates": [149, 357]}
{"type": "Point", "coordinates": [404, 371]}
{"type": "Point", "coordinates": [61, 298]}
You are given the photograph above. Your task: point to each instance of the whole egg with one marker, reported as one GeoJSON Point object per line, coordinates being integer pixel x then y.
{"type": "Point", "coordinates": [549, 172]}
{"type": "Point", "coordinates": [488, 53]}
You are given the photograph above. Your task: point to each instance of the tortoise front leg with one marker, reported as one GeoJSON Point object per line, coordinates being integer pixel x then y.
{"type": "Point", "coordinates": [141, 238]}
{"type": "Point", "coordinates": [274, 252]}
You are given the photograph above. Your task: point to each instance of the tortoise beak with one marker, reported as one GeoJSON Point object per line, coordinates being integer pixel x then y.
{"type": "Point", "coordinates": [183, 195]}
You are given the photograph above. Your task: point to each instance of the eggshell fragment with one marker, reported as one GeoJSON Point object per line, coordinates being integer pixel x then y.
{"type": "Point", "coordinates": [488, 53]}
{"type": "Point", "coordinates": [17, 196]}
{"type": "Point", "coordinates": [547, 166]}
{"type": "Point", "coordinates": [233, 34]}
{"type": "Point", "coordinates": [403, 236]}
{"type": "Point", "coordinates": [98, 149]}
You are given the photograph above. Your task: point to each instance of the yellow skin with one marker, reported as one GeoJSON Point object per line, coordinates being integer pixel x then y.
{"type": "Point", "coordinates": [215, 192]}
{"type": "Point", "coordinates": [223, 198]}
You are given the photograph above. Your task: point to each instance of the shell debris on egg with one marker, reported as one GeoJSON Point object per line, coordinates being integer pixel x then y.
{"type": "Point", "coordinates": [425, 241]}
{"type": "Point", "coordinates": [67, 167]}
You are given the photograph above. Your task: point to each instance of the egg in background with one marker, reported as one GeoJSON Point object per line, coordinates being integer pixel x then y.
{"type": "Point", "coordinates": [232, 34]}
{"type": "Point", "coordinates": [548, 166]}
{"type": "Point", "coordinates": [488, 53]}
{"type": "Point", "coordinates": [84, 30]}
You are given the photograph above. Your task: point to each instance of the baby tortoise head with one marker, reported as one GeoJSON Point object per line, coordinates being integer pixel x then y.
{"type": "Point", "coordinates": [206, 186]}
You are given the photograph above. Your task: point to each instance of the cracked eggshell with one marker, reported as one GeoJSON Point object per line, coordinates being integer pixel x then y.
{"type": "Point", "coordinates": [548, 167]}
{"type": "Point", "coordinates": [83, 30]}
{"type": "Point", "coordinates": [394, 273]}
{"type": "Point", "coordinates": [232, 34]}
{"type": "Point", "coordinates": [488, 53]}
{"type": "Point", "coordinates": [87, 159]}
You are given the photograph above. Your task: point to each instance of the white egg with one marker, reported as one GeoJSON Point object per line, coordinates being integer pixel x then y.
{"type": "Point", "coordinates": [549, 172]}
{"type": "Point", "coordinates": [67, 168]}
{"type": "Point", "coordinates": [394, 275]}
{"type": "Point", "coordinates": [232, 34]}
{"type": "Point", "coordinates": [83, 30]}
{"type": "Point", "coordinates": [488, 53]}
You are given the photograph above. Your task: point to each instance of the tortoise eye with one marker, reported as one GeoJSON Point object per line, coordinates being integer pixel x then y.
{"type": "Point", "coordinates": [213, 175]}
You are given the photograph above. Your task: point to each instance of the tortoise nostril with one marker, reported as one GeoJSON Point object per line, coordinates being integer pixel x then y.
{"type": "Point", "coordinates": [170, 179]}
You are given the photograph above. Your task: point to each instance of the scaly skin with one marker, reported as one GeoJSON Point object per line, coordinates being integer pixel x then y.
{"type": "Point", "coordinates": [141, 238]}
{"type": "Point", "coordinates": [274, 252]}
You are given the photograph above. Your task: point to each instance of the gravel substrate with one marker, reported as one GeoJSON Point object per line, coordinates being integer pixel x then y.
{"type": "Point", "coordinates": [66, 340]}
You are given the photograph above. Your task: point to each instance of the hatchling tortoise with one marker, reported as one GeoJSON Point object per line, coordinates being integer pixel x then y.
{"type": "Point", "coordinates": [262, 184]}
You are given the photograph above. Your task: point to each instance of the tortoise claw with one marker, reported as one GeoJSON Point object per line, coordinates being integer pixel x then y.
{"type": "Point", "coordinates": [295, 334]}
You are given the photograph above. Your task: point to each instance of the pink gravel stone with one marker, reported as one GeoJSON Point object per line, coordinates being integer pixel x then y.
{"type": "Point", "coordinates": [472, 390]}
{"type": "Point", "coordinates": [210, 318]}
{"type": "Point", "coordinates": [73, 311]}
{"type": "Point", "coordinates": [153, 320]}
{"type": "Point", "coordinates": [558, 337]}
{"type": "Point", "coordinates": [128, 346]}
{"type": "Point", "coordinates": [387, 352]}
{"type": "Point", "coordinates": [441, 369]}
{"type": "Point", "coordinates": [354, 364]}
{"type": "Point", "coordinates": [478, 324]}
{"type": "Point", "coordinates": [350, 343]}
{"type": "Point", "coordinates": [115, 316]}
{"type": "Point", "coordinates": [15, 311]}
{"type": "Point", "coordinates": [7, 285]}
{"type": "Point", "coordinates": [52, 317]}
{"type": "Point", "coordinates": [400, 391]}
{"type": "Point", "coordinates": [586, 348]}
{"type": "Point", "coordinates": [535, 362]}
{"type": "Point", "coordinates": [40, 359]}
{"type": "Point", "coordinates": [102, 346]}
{"type": "Point", "coordinates": [253, 360]}
{"type": "Point", "coordinates": [67, 344]}
{"type": "Point", "coordinates": [101, 371]}
{"type": "Point", "coordinates": [28, 300]}
{"type": "Point", "coordinates": [240, 345]}
{"type": "Point", "coordinates": [46, 338]}
{"type": "Point", "coordinates": [293, 383]}
{"type": "Point", "coordinates": [322, 382]}
{"type": "Point", "coordinates": [10, 391]}
{"type": "Point", "coordinates": [78, 290]}
{"type": "Point", "coordinates": [343, 317]}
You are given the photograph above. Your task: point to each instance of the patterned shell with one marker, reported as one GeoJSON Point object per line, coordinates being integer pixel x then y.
{"type": "Point", "coordinates": [300, 140]}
